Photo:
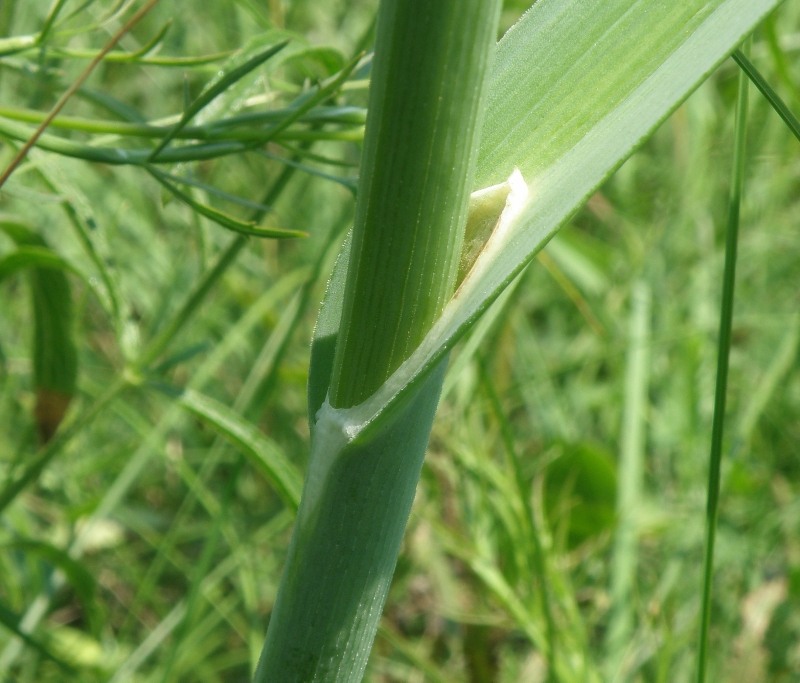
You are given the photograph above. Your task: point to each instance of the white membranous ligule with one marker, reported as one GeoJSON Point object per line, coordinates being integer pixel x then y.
{"type": "Point", "coordinates": [515, 194]}
{"type": "Point", "coordinates": [498, 206]}
{"type": "Point", "coordinates": [485, 209]}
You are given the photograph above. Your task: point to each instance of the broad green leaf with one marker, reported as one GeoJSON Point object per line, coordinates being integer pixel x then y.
{"type": "Point", "coordinates": [54, 352]}
{"type": "Point", "coordinates": [576, 88]}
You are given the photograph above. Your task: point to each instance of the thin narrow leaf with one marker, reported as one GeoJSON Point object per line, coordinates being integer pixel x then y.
{"type": "Point", "coordinates": [780, 107]}
{"type": "Point", "coordinates": [219, 217]}
{"type": "Point", "coordinates": [350, 183]}
{"type": "Point", "coordinates": [723, 356]}
{"type": "Point", "coordinates": [217, 192]}
{"type": "Point", "coordinates": [216, 88]}
{"type": "Point", "coordinates": [265, 456]}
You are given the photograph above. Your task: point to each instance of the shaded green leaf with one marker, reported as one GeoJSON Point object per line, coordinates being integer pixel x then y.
{"type": "Point", "coordinates": [11, 621]}
{"type": "Point", "coordinates": [54, 352]}
{"type": "Point", "coordinates": [323, 346]}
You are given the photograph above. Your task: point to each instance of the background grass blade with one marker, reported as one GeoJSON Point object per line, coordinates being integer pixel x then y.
{"type": "Point", "coordinates": [780, 107]}
{"type": "Point", "coordinates": [631, 469]}
{"type": "Point", "coordinates": [259, 451]}
{"type": "Point", "coordinates": [723, 360]}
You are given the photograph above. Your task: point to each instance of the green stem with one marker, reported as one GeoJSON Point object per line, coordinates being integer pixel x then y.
{"type": "Point", "coordinates": [723, 353]}
{"type": "Point", "coordinates": [419, 151]}
{"type": "Point", "coordinates": [421, 140]}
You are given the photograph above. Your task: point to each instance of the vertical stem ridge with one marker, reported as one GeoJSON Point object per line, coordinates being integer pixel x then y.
{"type": "Point", "coordinates": [419, 157]}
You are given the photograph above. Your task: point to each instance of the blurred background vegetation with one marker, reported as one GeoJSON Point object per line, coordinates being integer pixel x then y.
{"type": "Point", "coordinates": [144, 542]}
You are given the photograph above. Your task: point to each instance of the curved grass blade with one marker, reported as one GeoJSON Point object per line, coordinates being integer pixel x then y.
{"type": "Point", "coordinates": [32, 257]}
{"type": "Point", "coordinates": [219, 217]}
{"type": "Point", "coordinates": [260, 451]}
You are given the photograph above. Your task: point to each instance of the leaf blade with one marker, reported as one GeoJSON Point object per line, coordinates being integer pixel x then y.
{"type": "Point", "coordinates": [561, 171]}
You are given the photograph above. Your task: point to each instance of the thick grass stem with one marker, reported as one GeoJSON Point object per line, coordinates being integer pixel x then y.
{"type": "Point", "coordinates": [419, 157]}
{"type": "Point", "coordinates": [421, 144]}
